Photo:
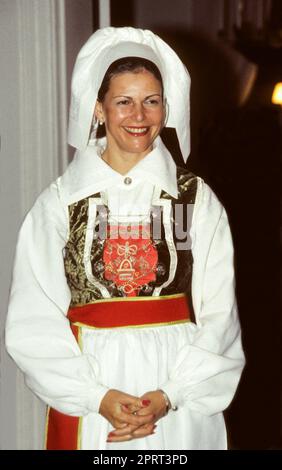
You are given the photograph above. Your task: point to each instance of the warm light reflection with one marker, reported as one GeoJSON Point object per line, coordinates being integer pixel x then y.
{"type": "Point", "coordinates": [277, 94]}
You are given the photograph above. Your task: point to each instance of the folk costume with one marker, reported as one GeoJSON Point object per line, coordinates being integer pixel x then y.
{"type": "Point", "coordinates": [126, 281]}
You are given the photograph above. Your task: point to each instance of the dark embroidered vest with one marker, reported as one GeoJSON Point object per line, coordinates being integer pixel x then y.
{"type": "Point", "coordinates": [84, 267]}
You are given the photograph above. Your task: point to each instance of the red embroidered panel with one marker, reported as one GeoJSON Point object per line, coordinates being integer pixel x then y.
{"type": "Point", "coordinates": [130, 257]}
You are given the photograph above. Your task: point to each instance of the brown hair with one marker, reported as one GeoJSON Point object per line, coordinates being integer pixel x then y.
{"type": "Point", "coordinates": [127, 64]}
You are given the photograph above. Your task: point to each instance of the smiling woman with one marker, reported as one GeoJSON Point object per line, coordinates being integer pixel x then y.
{"type": "Point", "coordinates": [122, 314]}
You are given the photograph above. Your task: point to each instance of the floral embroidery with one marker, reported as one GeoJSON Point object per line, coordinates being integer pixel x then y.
{"type": "Point", "coordinates": [130, 262]}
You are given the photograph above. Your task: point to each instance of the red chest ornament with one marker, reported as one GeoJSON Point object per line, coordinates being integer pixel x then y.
{"type": "Point", "coordinates": [130, 257]}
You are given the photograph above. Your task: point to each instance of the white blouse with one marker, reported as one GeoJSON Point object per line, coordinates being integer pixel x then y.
{"type": "Point", "coordinates": [38, 335]}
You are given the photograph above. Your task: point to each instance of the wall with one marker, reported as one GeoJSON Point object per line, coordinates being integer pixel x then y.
{"type": "Point", "coordinates": [153, 14]}
{"type": "Point", "coordinates": [33, 153]}
{"type": "Point", "coordinates": [9, 197]}
{"type": "Point", "coordinates": [39, 41]}
{"type": "Point", "coordinates": [79, 21]}
{"type": "Point", "coordinates": [79, 26]}
{"type": "Point", "coordinates": [200, 15]}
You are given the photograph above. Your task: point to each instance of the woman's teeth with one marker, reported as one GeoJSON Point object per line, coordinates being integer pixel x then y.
{"type": "Point", "coordinates": [136, 130]}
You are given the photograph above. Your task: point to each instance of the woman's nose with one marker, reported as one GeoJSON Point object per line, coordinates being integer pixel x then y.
{"type": "Point", "coordinates": [139, 112]}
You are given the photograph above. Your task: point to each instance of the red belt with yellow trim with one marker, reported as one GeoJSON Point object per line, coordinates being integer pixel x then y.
{"type": "Point", "coordinates": [131, 311]}
{"type": "Point", "coordinates": [64, 432]}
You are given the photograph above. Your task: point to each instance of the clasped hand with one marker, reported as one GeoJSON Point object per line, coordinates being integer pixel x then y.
{"type": "Point", "coordinates": [132, 417]}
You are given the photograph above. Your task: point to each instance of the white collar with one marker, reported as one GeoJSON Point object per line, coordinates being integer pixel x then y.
{"type": "Point", "coordinates": [88, 173]}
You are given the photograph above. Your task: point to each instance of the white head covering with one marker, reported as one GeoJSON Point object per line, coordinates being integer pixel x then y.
{"type": "Point", "coordinates": [99, 52]}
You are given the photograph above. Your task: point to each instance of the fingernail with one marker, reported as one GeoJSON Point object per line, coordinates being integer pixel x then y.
{"type": "Point", "coordinates": [146, 402]}
{"type": "Point", "coordinates": [111, 434]}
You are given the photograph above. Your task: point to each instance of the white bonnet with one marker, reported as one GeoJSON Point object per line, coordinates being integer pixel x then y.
{"type": "Point", "coordinates": [99, 52]}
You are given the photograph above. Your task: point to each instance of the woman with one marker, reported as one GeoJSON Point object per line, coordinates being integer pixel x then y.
{"type": "Point", "coordinates": [115, 260]}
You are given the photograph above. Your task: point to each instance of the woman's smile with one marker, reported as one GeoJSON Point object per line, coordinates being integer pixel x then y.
{"type": "Point", "coordinates": [137, 131]}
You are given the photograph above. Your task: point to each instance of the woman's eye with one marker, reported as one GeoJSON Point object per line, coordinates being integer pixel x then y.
{"type": "Point", "coordinates": [152, 102]}
{"type": "Point", "coordinates": [123, 102]}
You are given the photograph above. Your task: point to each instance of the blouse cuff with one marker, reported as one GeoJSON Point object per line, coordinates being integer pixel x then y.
{"type": "Point", "coordinates": [173, 392]}
{"type": "Point", "coordinates": [96, 396]}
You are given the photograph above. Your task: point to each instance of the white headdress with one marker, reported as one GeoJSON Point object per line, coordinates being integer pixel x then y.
{"type": "Point", "coordinates": [99, 52]}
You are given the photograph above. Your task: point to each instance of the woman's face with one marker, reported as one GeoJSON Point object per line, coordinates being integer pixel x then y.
{"type": "Point", "coordinates": [133, 113]}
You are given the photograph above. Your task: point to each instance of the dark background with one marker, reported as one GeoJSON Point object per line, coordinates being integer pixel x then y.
{"type": "Point", "coordinates": [237, 150]}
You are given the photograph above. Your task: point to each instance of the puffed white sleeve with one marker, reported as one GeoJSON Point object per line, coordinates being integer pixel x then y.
{"type": "Point", "coordinates": [38, 334]}
{"type": "Point", "coordinates": [206, 373]}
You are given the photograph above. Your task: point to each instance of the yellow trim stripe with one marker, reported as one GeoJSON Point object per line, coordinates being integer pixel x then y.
{"type": "Point", "coordinates": [79, 432]}
{"type": "Point", "coordinates": [131, 299]}
{"type": "Point", "coordinates": [144, 325]}
{"type": "Point", "coordinates": [46, 427]}
{"type": "Point", "coordinates": [79, 338]}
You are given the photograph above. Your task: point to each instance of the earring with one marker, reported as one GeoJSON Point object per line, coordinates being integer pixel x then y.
{"type": "Point", "coordinates": [101, 123]}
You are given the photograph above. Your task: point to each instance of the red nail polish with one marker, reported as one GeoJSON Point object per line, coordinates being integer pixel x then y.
{"type": "Point", "coordinates": [146, 402]}
{"type": "Point", "coordinates": [111, 434]}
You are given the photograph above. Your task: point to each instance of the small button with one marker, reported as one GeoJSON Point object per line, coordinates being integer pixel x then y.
{"type": "Point", "coordinates": [127, 180]}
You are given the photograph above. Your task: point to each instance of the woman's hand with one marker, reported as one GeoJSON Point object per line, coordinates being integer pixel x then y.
{"type": "Point", "coordinates": [115, 408]}
{"type": "Point", "coordinates": [156, 407]}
